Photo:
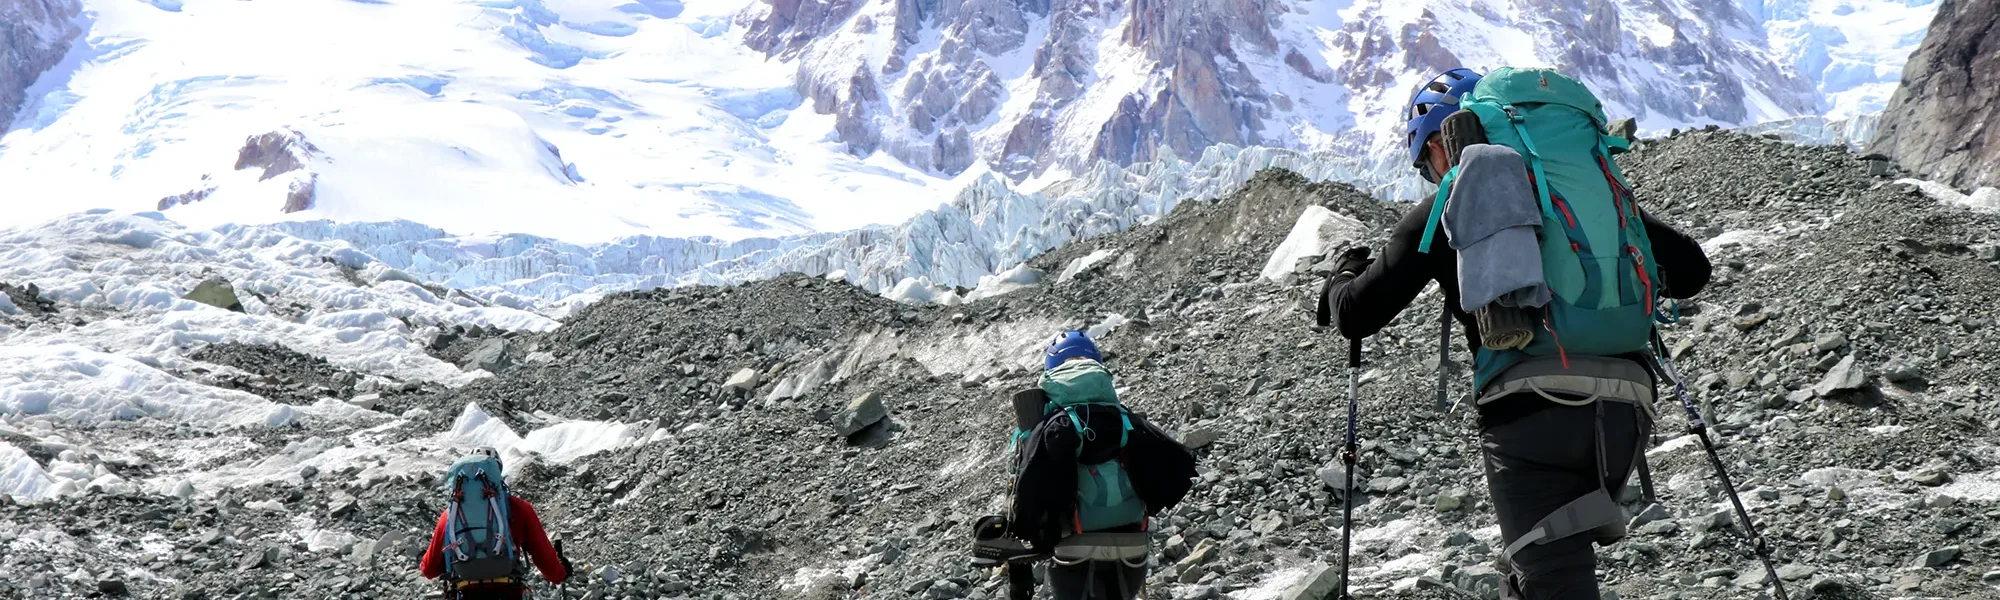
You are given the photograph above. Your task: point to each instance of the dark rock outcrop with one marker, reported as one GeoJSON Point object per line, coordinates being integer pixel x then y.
{"type": "Point", "coordinates": [34, 35]}
{"type": "Point", "coordinates": [1941, 122]}
{"type": "Point", "coordinates": [279, 153]}
{"type": "Point", "coordinates": [1129, 81]}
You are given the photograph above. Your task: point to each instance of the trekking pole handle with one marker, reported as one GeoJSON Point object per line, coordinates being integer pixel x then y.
{"type": "Point", "coordinates": [1354, 354]}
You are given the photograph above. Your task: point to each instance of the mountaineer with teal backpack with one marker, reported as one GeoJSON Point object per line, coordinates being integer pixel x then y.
{"type": "Point", "coordinates": [477, 544]}
{"type": "Point", "coordinates": [1090, 475]}
{"type": "Point", "coordinates": [1557, 276]}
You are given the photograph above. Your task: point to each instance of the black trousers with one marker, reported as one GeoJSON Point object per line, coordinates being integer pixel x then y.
{"type": "Point", "coordinates": [1096, 580]}
{"type": "Point", "coordinates": [1542, 455]}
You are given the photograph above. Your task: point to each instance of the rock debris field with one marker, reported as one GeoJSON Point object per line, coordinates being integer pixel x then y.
{"type": "Point", "coordinates": [801, 438]}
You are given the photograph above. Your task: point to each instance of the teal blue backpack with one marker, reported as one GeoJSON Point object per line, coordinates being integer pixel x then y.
{"type": "Point", "coordinates": [478, 545]}
{"type": "Point", "coordinates": [1082, 390]}
{"type": "Point", "coordinates": [1596, 258]}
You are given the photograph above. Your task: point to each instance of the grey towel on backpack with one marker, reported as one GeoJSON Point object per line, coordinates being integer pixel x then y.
{"type": "Point", "coordinates": [1491, 219]}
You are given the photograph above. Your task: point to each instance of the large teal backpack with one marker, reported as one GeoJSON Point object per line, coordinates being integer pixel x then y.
{"type": "Point", "coordinates": [478, 546]}
{"type": "Point", "coordinates": [1596, 258]}
{"type": "Point", "coordinates": [1105, 498]}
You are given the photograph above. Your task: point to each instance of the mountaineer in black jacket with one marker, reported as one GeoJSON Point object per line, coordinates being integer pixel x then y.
{"type": "Point", "coordinates": [1549, 449]}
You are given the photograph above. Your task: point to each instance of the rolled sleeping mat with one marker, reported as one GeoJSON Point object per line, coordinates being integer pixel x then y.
{"type": "Point", "coordinates": [1505, 327]}
{"type": "Point", "coordinates": [1029, 407]}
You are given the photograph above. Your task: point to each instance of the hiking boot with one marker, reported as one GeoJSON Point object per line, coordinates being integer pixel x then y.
{"type": "Point", "coordinates": [991, 545]}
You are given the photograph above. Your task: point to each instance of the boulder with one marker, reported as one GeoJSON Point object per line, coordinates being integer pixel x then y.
{"type": "Point", "coordinates": [365, 401]}
{"type": "Point", "coordinates": [216, 293]}
{"type": "Point", "coordinates": [859, 414]}
{"type": "Point", "coordinates": [1846, 375]}
{"type": "Point", "coordinates": [1627, 128]}
{"type": "Point", "coordinates": [1319, 584]}
{"type": "Point", "coordinates": [491, 356]}
{"type": "Point", "coordinates": [743, 381]}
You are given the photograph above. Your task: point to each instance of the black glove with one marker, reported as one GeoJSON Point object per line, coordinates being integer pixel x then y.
{"type": "Point", "coordinates": [1353, 262]}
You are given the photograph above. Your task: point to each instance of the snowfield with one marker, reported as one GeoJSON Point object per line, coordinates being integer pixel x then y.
{"type": "Point", "coordinates": [574, 119]}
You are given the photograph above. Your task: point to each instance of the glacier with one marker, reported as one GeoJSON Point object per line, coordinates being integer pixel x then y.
{"type": "Point", "coordinates": [990, 226]}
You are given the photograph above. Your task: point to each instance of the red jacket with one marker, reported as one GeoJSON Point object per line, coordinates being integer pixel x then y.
{"type": "Point", "coordinates": [528, 536]}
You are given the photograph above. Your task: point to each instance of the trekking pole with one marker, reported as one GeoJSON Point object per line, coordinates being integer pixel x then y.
{"type": "Point", "coordinates": [1699, 428]}
{"type": "Point", "coordinates": [563, 587]}
{"type": "Point", "coordinates": [1347, 457]}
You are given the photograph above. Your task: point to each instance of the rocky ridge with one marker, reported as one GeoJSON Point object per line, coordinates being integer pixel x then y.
{"type": "Point", "coordinates": [1024, 86]}
{"type": "Point", "coordinates": [807, 439]}
{"type": "Point", "coordinates": [1928, 125]}
{"type": "Point", "coordinates": [34, 36]}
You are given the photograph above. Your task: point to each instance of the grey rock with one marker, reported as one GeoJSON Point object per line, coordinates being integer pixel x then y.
{"type": "Point", "coordinates": [1847, 375]}
{"type": "Point", "coordinates": [1795, 571]}
{"type": "Point", "coordinates": [1335, 478]}
{"type": "Point", "coordinates": [1627, 128]}
{"type": "Point", "coordinates": [365, 401]}
{"type": "Point", "coordinates": [1830, 342]}
{"type": "Point", "coordinates": [111, 587]}
{"type": "Point", "coordinates": [859, 414]}
{"type": "Point", "coordinates": [1319, 584]}
{"type": "Point", "coordinates": [1901, 371]}
{"type": "Point", "coordinates": [1199, 437]}
{"type": "Point", "coordinates": [256, 559]}
{"type": "Point", "coordinates": [1652, 513]}
{"type": "Point", "coordinates": [1939, 557]}
{"type": "Point", "coordinates": [216, 293]}
{"type": "Point", "coordinates": [944, 590]}
{"type": "Point", "coordinates": [1930, 478]}
{"type": "Point", "coordinates": [491, 356]}
{"type": "Point", "coordinates": [743, 381]}
{"type": "Point", "coordinates": [1452, 500]}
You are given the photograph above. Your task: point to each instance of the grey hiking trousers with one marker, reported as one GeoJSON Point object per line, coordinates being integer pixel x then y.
{"type": "Point", "coordinates": [1541, 461]}
{"type": "Point", "coordinates": [1097, 580]}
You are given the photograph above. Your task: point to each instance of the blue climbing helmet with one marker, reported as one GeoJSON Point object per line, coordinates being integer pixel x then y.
{"type": "Point", "coordinates": [1430, 103]}
{"type": "Point", "coordinates": [1068, 345]}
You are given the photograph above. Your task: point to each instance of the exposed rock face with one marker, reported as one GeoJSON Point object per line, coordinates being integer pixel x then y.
{"type": "Point", "coordinates": [34, 35]}
{"type": "Point", "coordinates": [1036, 84]}
{"type": "Point", "coordinates": [1941, 121]}
{"type": "Point", "coordinates": [281, 153]}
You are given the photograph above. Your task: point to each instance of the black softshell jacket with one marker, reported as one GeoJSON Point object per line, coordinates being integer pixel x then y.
{"type": "Point", "coordinates": [1160, 468]}
{"type": "Point", "coordinates": [1364, 304]}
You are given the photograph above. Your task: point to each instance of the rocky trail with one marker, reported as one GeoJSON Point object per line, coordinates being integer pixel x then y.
{"type": "Point", "coordinates": [799, 437]}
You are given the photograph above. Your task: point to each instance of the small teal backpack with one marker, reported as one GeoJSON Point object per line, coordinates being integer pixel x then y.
{"type": "Point", "coordinates": [1105, 497]}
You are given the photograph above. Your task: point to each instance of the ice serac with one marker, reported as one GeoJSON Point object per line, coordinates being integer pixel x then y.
{"type": "Point", "coordinates": [1941, 121]}
{"type": "Point", "coordinates": [1024, 87]}
{"type": "Point", "coordinates": [988, 228]}
{"type": "Point", "coordinates": [34, 35]}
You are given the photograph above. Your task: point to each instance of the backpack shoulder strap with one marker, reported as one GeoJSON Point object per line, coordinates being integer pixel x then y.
{"type": "Point", "coordinates": [1437, 210]}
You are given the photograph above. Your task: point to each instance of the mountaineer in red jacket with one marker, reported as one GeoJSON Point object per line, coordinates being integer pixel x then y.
{"type": "Point", "coordinates": [479, 570]}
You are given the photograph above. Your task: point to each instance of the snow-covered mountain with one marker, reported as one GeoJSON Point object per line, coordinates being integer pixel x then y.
{"type": "Point", "coordinates": [572, 118]}
{"type": "Point", "coordinates": [1030, 85]}
{"type": "Point", "coordinates": [586, 120]}
{"type": "Point", "coordinates": [1851, 50]}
